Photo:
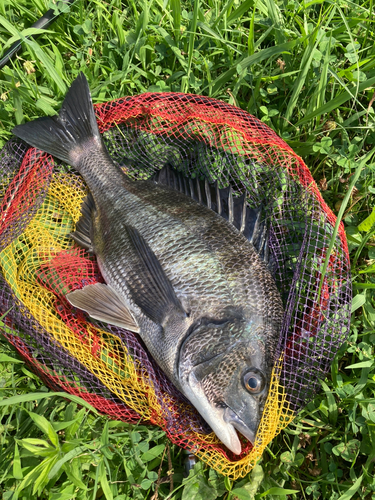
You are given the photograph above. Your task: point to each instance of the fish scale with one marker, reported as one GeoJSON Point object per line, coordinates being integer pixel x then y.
{"type": "Point", "coordinates": [203, 264]}
{"type": "Point", "coordinates": [179, 274]}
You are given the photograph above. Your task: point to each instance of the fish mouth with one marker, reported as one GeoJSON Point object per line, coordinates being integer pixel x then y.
{"type": "Point", "coordinates": [231, 417]}
{"type": "Point", "coordinates": [223, 420]}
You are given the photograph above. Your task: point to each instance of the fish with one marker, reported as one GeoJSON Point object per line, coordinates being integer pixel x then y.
{"type": "Point", "coordinates": [185, 267]}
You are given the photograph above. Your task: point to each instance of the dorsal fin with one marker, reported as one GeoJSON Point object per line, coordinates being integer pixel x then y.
{"type": "Point", "coordinates": [232, 208]}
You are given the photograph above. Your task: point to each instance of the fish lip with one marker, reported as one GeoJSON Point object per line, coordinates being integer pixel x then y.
{"type": "Point", "coordinates": [232, 418]}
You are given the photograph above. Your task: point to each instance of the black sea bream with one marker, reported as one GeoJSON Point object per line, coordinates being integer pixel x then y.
{"type": "Point", "coordinates": [182, 276]}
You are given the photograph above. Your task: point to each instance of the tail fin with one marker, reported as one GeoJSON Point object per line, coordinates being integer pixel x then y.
{"type": "Point", "coordinates": [67, 134]}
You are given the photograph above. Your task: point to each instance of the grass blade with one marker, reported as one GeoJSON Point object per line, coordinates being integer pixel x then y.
{"type": "Point", "coordinates": [193, 29]}
{"type": "Point", "coordinates": [224, 10]}
{"type": "Point", "coordinates": [352, 490]}
{"type": "Point", "coordinates": [175, 6]}
{"type": "Point", "coordinates": [66, 458]}
{"type": "Point", "coordinates": [321, 90]}
{"type": "Point", "coordinates": [240, 11]}
{"type": "Point", "coordinates": [300, 81]}
{"type": "Point", "coordinates": [250, 40]}
{"type": "Point", "coordinates": [336, 102]}
{"type": "Point", "coordinates": [173, 46]}
{"type": "Point", "coordinates": [48, 64]}
{"type": "Point", "coordinates": [306, 61]}
{"type": "Point", "coordinates": [36, 396]}
{"type": "Point", "coordinates": [256, 58]}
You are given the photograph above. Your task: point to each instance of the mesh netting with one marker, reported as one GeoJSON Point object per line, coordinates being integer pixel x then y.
{"type": "Point", "coordinates": [108, 366]}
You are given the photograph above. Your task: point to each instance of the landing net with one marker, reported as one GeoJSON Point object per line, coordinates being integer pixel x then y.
{"type": "Point", "coordinates": [109, 366]}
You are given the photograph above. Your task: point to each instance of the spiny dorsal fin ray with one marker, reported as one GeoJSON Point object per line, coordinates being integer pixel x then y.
{"type": "Point", "coordinates": [232, 208]}
{"type": "Point", "coordinates": [207, 192]}
{"type": "Point", "coordinates": [198, 188]}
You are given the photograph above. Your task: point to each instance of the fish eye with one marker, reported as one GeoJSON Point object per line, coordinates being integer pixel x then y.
{"type": "Point", "coordinates": [254, 381]}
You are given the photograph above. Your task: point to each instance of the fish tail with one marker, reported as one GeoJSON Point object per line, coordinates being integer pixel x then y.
{"type": "Point", "coordinates": [69, 134]}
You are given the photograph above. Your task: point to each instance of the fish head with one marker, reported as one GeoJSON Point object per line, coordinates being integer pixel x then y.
{"type": "Point", "coordinates": [224, 369]}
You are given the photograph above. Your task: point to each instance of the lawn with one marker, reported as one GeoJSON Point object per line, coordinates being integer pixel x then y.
{"type": "Point", "coordinates": [307, 70]}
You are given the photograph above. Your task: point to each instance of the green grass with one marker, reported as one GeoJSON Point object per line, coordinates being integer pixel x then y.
{"type": "Point", "coordinates": [308, 71]}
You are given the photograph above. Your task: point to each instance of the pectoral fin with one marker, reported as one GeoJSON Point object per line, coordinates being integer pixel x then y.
{"type": "Point", "coordinates": [101, 302]}
{"type": "Point", "coordinates": [152, 292]}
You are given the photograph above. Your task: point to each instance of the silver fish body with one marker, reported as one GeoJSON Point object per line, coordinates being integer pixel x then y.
{"type": "Point", "coordinates": [183, 277]}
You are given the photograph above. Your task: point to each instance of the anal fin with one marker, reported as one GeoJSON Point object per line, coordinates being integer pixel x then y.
{"type": "Point", "coordinates": [101, 302]}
